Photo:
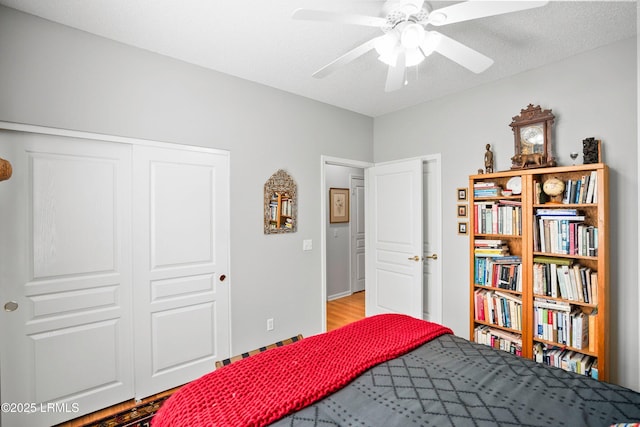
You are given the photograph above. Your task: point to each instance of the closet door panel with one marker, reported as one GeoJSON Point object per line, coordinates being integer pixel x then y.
{"type": "Point", "coordinates": [65, 261]}
{"type": "Point", "coordinates": [181, 224]}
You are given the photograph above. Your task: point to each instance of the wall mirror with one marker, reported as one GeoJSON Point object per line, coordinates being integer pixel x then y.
{"type": "Point", "coordinates": [280, 204]}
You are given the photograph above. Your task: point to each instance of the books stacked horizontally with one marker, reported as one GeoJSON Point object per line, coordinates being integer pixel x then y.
{"type": "Point", "coordinates": [495, 267]}
{"type": "Point", "coordinates": [564, 278]}
{"type": "Point", "coordinates": [557, 322]}
{"type": "Point", "coordinates": [498, 339]}
{"type": "Point", "coordinates": [563, 231]}
{"type": "Point", "coordinates": [498, 308]}
{"type": "Point", "coordinates": [486, 189]}
{"type": "Point", "coordinates": [566, 359]}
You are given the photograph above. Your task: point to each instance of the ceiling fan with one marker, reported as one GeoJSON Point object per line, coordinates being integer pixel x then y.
{"type": "Point", "coordinates": [406, 42]}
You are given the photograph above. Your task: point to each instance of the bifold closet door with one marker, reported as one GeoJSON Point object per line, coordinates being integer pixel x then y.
{"type": "Point", "coordinates": [65, 278]}
{"type": "Point", "coordinates": [180, 253]}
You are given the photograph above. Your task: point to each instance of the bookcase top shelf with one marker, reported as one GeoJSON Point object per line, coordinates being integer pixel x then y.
{"type": "Point", "coordinates": [539, 171]}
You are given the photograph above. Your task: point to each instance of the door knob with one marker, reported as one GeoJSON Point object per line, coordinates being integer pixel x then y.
{"type": "Point", "coordinates": [222, 277]}
{"type": "Point", "coordinates": [11, 306]}
{"type": "Point", "coordinates": [414, 258]}
{"type": "Point", "coordinates": [434, 256]}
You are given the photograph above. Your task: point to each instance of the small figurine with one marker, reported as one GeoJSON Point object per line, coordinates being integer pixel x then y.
{"type": "Point", "coordinates": [488, 159]}
{"type": "Point", "coordinates": [480, 171]}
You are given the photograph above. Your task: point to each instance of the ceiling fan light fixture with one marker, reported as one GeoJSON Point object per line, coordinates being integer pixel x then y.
{"type": "Point", "coordinates": [412, 36]}
{"type": "Point", "coordinates": [430, 42]}
{"type": "Point", "coordinates": [413, 57]}
{"type": "Point", "coordinates": [385, 46]}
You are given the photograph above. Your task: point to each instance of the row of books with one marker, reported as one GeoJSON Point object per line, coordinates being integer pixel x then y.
{"type": "Point", "coordinates": [564, 232]}
{"type": "Point", "coordinates": [486, 189]}
{"type": "Point", "coordinates": [504, 272]}
{"type": "Point", "coordinates": [498, 339]}
{"type": "Point", "coordinates": [566, 359]}
{"type": "Point", "coordinates": [495, 267]}
{"type": "Point", "coordinates": [498, 308]}
{"type": "Point", "coordinates": [563, 278]}
{"type": "Point", "coordinates": [557, 322]}
{"type": "Point", "coordinates": [583, 190]}
{"type": "Point", "coordinates": [286, 208]}
{"type": "Point", "coordinates": [501, 217]}
{"type": "Point", "coordinates": [273, 210]}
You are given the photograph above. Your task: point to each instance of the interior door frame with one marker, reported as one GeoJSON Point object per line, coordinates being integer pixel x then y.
{"type": "Point", "coordinates": [324, 190]}
{"type": "Point", "coordinates": [353, 200]}
{"type": "Point", "coordinates": [337, 161]}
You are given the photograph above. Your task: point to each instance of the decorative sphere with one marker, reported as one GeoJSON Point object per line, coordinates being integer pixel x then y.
{"type": "Point", "coordinates": [553, 187]}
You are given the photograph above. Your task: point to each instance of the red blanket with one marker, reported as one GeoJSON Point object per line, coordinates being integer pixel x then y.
{"type": "Point", "coordinates": [265, 387]}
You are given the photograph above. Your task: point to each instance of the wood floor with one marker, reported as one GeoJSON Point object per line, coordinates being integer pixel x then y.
{"type": "Point", "coordinates": [345, 310]}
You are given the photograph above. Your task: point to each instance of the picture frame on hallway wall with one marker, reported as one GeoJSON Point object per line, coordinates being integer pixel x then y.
{"type": "Point", "coordinates": [338, 205]}
{"type": "Point", "coordinates": [462, 211]}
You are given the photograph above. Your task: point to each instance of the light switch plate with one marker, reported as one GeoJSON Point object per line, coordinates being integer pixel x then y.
{"type": "Point", "coordinates": [307, 245]}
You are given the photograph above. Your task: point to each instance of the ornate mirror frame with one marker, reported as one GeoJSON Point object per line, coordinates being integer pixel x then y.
{"type": "Point", "coordinates": [280, 204]}
{"type": "Point", "coordinates": [532, 138]}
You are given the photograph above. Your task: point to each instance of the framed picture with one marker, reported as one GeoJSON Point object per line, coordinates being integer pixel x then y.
{"type": "Point", "coordinates": [462, 228]}
{"type": "Point", "coordinates": [338, 205]}
{"type": "Point", "coordinates": [462, 194]}
{"type": "Point", "coordinates": [462, 211]}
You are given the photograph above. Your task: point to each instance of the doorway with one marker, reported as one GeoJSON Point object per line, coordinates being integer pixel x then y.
{"type": "Point", "coordinates": [432, 219]}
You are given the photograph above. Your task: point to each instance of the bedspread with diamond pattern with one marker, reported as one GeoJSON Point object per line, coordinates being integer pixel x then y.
{"type": "Point", "coordinates": [450, 381]}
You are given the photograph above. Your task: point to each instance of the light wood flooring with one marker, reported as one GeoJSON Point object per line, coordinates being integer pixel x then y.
{"type": "Point", "coordinates": [345, 310]}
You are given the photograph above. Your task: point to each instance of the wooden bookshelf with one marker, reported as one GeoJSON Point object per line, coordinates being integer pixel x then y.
{"type": "Point", "coordinates": [571, 228]}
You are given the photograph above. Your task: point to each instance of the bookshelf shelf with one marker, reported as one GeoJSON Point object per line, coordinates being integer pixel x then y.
{"type": "Point", "coordinates": [555, 265]}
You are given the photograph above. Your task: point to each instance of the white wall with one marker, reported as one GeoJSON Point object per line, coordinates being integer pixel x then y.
{"type": "Point", "coordinates": [338, 267]}
{"type": "Point", "coordinates": [592, 95]}
{"type": "Point", "coordinates": [52, 75]}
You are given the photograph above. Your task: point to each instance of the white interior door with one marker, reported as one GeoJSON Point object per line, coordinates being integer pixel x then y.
{"type": "Point", "coordinates": [357, 229]}
{"type": "Point", "coordinates": [65, 278]}
{"type": "Point", "coordinates": [181, 218]}
{"type": "Point", "coordinates": [394, 239]}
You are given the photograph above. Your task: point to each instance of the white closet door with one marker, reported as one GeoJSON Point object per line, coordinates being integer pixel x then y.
{"type": "Point", "coordinates": [65, 278]}
{"type": "Point", "coordinates": [181, 220]}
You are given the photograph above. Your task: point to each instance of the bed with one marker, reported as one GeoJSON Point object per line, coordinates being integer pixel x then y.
{"type": "Point", "coordinates": [394, 370]}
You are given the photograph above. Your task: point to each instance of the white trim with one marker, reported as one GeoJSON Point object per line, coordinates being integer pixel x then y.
{"type": "Point", "coordinates": [328, 160]}
{"type": "Point", "coordinates": [351, 248]}
{"type": "Point", "coordinates": [340, 295]}
{"type": "Point", "coordinates": [437, 159]}
{"type": "Point", "coordinates": [20, 127]}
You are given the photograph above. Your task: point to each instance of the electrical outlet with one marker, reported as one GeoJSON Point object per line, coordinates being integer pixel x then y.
{"type": "Point", "coordinates": [269, 324]}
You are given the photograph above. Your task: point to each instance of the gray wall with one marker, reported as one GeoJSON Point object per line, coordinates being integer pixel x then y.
{"type": "Point", "coordinates": [592, 95]}
{"type": "Point", "coordinates": [52, 75]}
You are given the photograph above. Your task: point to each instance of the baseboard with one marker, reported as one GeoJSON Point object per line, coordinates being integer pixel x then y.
{"type": "Point", "coordinates": [340, 295]}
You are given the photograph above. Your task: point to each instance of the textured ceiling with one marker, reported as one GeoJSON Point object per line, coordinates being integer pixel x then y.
{"type": "Point", "coordinates": [257, 40]}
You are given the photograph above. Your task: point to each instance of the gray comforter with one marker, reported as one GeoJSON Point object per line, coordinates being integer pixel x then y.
{"type": "Point", "coordinates": [453, 382]}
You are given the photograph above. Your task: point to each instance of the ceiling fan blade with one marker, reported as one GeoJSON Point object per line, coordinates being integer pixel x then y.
{"type": "Point", "coordinates": [395, 75]}
{"type": "Point", "coordinates": [478, 9]}
{"type": "Point", "coordinates": [346, 58]}
{"type": "Point", "coordinates": [343, 18]}
{"type": "Point", "coordinates": [462, 54]}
